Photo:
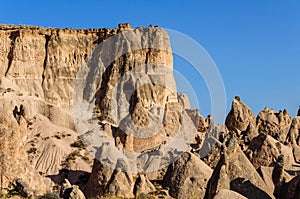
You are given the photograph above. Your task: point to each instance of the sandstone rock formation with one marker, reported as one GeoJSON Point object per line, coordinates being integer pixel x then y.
{"type": "Point", "coordinates": [275, 124]}
{"type": "Point", "coordinates": [187, 177]}
{"type": "Point", "coordinates": [264, 150]}
{"type": "Point", "coordinates": [106, 181]}
{"type": "Point", "coordinates": [198, 120]}
{"type": "Point", "coordinates": [143, 186]}
{"type": "Point", "coordinates": [71, 191]}
{"type": "Point", "coordinates": [293, 137]}
{"type": "Point", "coordinates": [239, 116]}
{"type": "Point", "coordinates": [235, 172]}
{"type": "Point", "coordinates": [266, 174]}
{"type": "Point", "coordinates": [13, 157]}
{"type": "Point", "coordinates": [102, 119]}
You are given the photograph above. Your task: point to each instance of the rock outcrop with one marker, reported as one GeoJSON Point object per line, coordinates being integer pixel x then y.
{"type": "Point", "coordinates": [14, 163]}
{"type": "Point", "coordinates": [101, 117]}
{"type": "Point", "coordinates": [293, 138]}
{"type": "Point", "coordinates": [71, 191]}
{"type": "Point", "coordinates": [143, 186]}
{"type": "Point", "coordinates": [187, 177]}
{"type": "Point", "coordinates": [240, 118]}
{"type": "Point", "coordinates": [235, 172]}
{"type": "Point", "coordinates": [266, 174]}
{"type": "Point", "coordinates": [264, 151]}
{"type": "Point", "coordinates": [275, 124]}
{"type": "Point", "coordinates": [289, 190]}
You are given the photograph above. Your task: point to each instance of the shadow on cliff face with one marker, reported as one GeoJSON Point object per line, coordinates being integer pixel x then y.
{"type": "Point", "coordinates": [247, 189]}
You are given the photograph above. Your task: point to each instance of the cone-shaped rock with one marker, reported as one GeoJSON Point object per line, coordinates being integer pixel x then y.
{"type": "Point", "coordinates": [239, 117]}
{"type": "Point", "coordinates": [235, 172]}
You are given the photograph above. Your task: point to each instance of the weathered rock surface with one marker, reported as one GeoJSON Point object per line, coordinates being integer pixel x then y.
{"type": "Point", "coordinates": [264, 151]}
{"type": "Point", "coordinates": [187, 177]}
{"type": "Point", "coordinates": [143, 186]}
{"type": "Point", "coordinates": [293, 137]}
{"type": "Point", "coordinates": [225, 193]}
{"type": "Point", "coordinates": [240, 117]}
{"type": "Point", "coordinates": [275, 124]}
{"type": "Point", "coordinates": [71, 191]}
{"type": "Point", "coordinates": [123, 85]}
{"type": "Point", "coordinates": [210, 151]}
{"type": "Point", "coordinates": [290, 190]}
{"type": "Point", "coordinates": [235, 172]}
{"type": "Point", "coordinates": [266, 174]}
{"type": "Point", "coordinates": [198, 120]}
{"type": "Point", "coordinates": [13, 158]}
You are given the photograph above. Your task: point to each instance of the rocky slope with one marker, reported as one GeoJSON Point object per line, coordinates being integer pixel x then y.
{"type": "Point", "coordinates": [103, 119]}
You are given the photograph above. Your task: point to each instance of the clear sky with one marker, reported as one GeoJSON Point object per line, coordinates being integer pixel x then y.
{"type": "Point", "coordinates": [255, 44]}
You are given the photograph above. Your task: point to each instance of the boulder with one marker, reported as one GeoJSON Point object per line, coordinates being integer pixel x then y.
{"type": "Point", "coordinates": [187, 177]}
{"type": "Point", "coordinates": [264, 150]}
{"type": "Point", "coordinates": [108, 181]}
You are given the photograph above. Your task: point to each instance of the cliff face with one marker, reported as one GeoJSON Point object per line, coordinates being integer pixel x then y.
{"type": "Point", "coordinates": [123, 77]}
{"type": "Point", "coordinates": [45, 61]}
{"type": "Point", "coordinates": [102, 111]}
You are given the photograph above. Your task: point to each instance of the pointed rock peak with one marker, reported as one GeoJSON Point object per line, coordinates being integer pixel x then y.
{"type": "Point", "coordinates": [237, 98]}
{"type": "Point", "coordinates": [120, 183]}
{"type": "Point", "coordinates": [230, 144]}
{"type": "Point", "coordinates": [298, 114]}
{"type": "Point", "coordinates": [210, 122]}
{"type": "Point", "coordinates": [143, 186]}
{"type": "Point", "coordinates": [235, 172]}
{"type": "Point", "coordinates": [124, 26]}
{"type": "Point", "coordinates": [183, 99]}
{"type": "Point", "coordinates": [239, 116]}
{"type": "Point", "coordinates": [198, 120]}
{"type": "Point", "coordinates": [278, 171]}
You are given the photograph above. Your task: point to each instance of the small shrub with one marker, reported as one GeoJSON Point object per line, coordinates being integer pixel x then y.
{"type": "Point", "coordinates": [86, 159]}
{"type": "Point", "coordinates": [71, 157]}
{"type": "Point", "coordinates": [32, 150]}
{"type": "Point", "coordinates": [37, 135]}
{"type": "Point", "coordinates": [57, 136]}
{"type": "Point", "coordinates": [78, 144]}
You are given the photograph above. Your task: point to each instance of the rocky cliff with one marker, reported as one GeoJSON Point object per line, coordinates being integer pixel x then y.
{"type": "Point", "coordinates": [95, 113]}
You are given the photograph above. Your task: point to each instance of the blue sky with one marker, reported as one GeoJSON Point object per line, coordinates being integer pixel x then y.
{"type": "Point", "coordinates": [255, 44]}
